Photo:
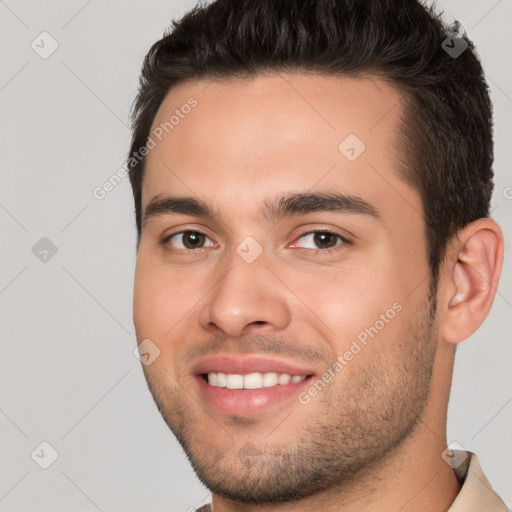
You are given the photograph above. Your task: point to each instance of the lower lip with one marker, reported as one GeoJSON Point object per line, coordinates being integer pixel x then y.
{"type": "Point", "coordinates": [247, 402]}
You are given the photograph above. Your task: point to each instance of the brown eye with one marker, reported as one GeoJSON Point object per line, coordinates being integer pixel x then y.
{"type": "Point", "coordinates": [327, 240]}
{"type": "Point", "coordinates": [323, 240]}
{"type": "Point", "coordinates": [189, 240]}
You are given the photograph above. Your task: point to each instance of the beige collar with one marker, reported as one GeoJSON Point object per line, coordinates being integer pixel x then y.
{"type": "Point", "coordinates": [476, 494]}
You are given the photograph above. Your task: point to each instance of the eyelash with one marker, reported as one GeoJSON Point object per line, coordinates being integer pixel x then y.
{"type": "Point", "coordinates": [315, 251]}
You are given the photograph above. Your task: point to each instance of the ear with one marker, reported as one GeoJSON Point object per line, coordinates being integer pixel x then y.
{"type": "Point", "coordinates": [470, 276]}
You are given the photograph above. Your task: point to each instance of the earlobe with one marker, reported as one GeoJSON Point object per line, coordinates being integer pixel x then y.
{"type": "Point", "coordinates": [473, 279]}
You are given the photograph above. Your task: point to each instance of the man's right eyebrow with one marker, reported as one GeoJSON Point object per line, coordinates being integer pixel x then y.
{"type": "Point", "coordinates": [159, 206]}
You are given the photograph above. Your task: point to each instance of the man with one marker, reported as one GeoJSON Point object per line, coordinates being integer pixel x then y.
{"type": "Point", "coordinates": [312, 182]}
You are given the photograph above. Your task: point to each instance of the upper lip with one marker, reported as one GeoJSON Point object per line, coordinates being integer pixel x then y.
{"type": "Point", "coordinates": [242, 365]}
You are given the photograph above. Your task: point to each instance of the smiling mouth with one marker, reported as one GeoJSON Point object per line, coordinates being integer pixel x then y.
{"type": "Point", "coordinates": [255, 380]}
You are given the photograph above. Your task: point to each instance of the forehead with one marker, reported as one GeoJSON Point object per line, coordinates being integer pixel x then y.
{"type": "Point", "coordinates": [246, 138]}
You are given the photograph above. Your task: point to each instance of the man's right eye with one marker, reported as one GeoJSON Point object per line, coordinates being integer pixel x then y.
{"type": "Point", "coordinates": [187, 240]}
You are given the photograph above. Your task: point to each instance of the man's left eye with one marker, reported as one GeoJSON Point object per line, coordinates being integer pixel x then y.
{"type": "Point", "coordinates": [324, 239]}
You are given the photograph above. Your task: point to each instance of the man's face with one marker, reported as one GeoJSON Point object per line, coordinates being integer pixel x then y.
{"type": "Point", "coordinates": [245, 291]}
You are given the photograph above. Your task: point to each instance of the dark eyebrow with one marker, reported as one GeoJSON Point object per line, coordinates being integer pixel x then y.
{"type": "Point", "coordinates": [273, 209]}
{"type": "Point", "coordinates": [304, 203]}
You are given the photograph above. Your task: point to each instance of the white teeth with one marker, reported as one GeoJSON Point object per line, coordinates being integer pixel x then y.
{"type": "Point", "coordinates": [234, 381]}
{"type": "Point", "coordinates": [284, 378]}
{"type": "Point", "coordinates": [254, 380]}
{"type": "Point", "coordinates": [270, 379]}
{"type": "Point", "coordinates": [221, 380]}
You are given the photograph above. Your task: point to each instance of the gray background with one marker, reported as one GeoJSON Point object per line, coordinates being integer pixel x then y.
{"type": "Point", "coordinates": [68, 375]}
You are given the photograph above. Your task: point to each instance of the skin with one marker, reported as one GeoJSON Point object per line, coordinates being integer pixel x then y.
{"type": "Point", "coordinates": [373, 437]}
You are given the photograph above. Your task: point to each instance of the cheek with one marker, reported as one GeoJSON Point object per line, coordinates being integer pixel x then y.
{"type": "Point", "coordinates": [154, 299]}
{"type": "Point", "coordinates": [352, 298]}
{"type": "Point", "coordinates": [164, 299]}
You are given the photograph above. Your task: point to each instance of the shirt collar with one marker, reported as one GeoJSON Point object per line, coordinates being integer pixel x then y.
{"type": "Point", "coordinates": [476, 493]}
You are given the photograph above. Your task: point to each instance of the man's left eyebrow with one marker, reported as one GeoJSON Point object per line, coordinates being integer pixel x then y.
{"type": "Point", "coordinates": [303, 203]}
{"type": "Point", "coordinates": [273, 209]}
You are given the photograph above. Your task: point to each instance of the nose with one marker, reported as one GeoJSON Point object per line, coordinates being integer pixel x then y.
{"type": "Point", "coordinates": [247, 298]}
